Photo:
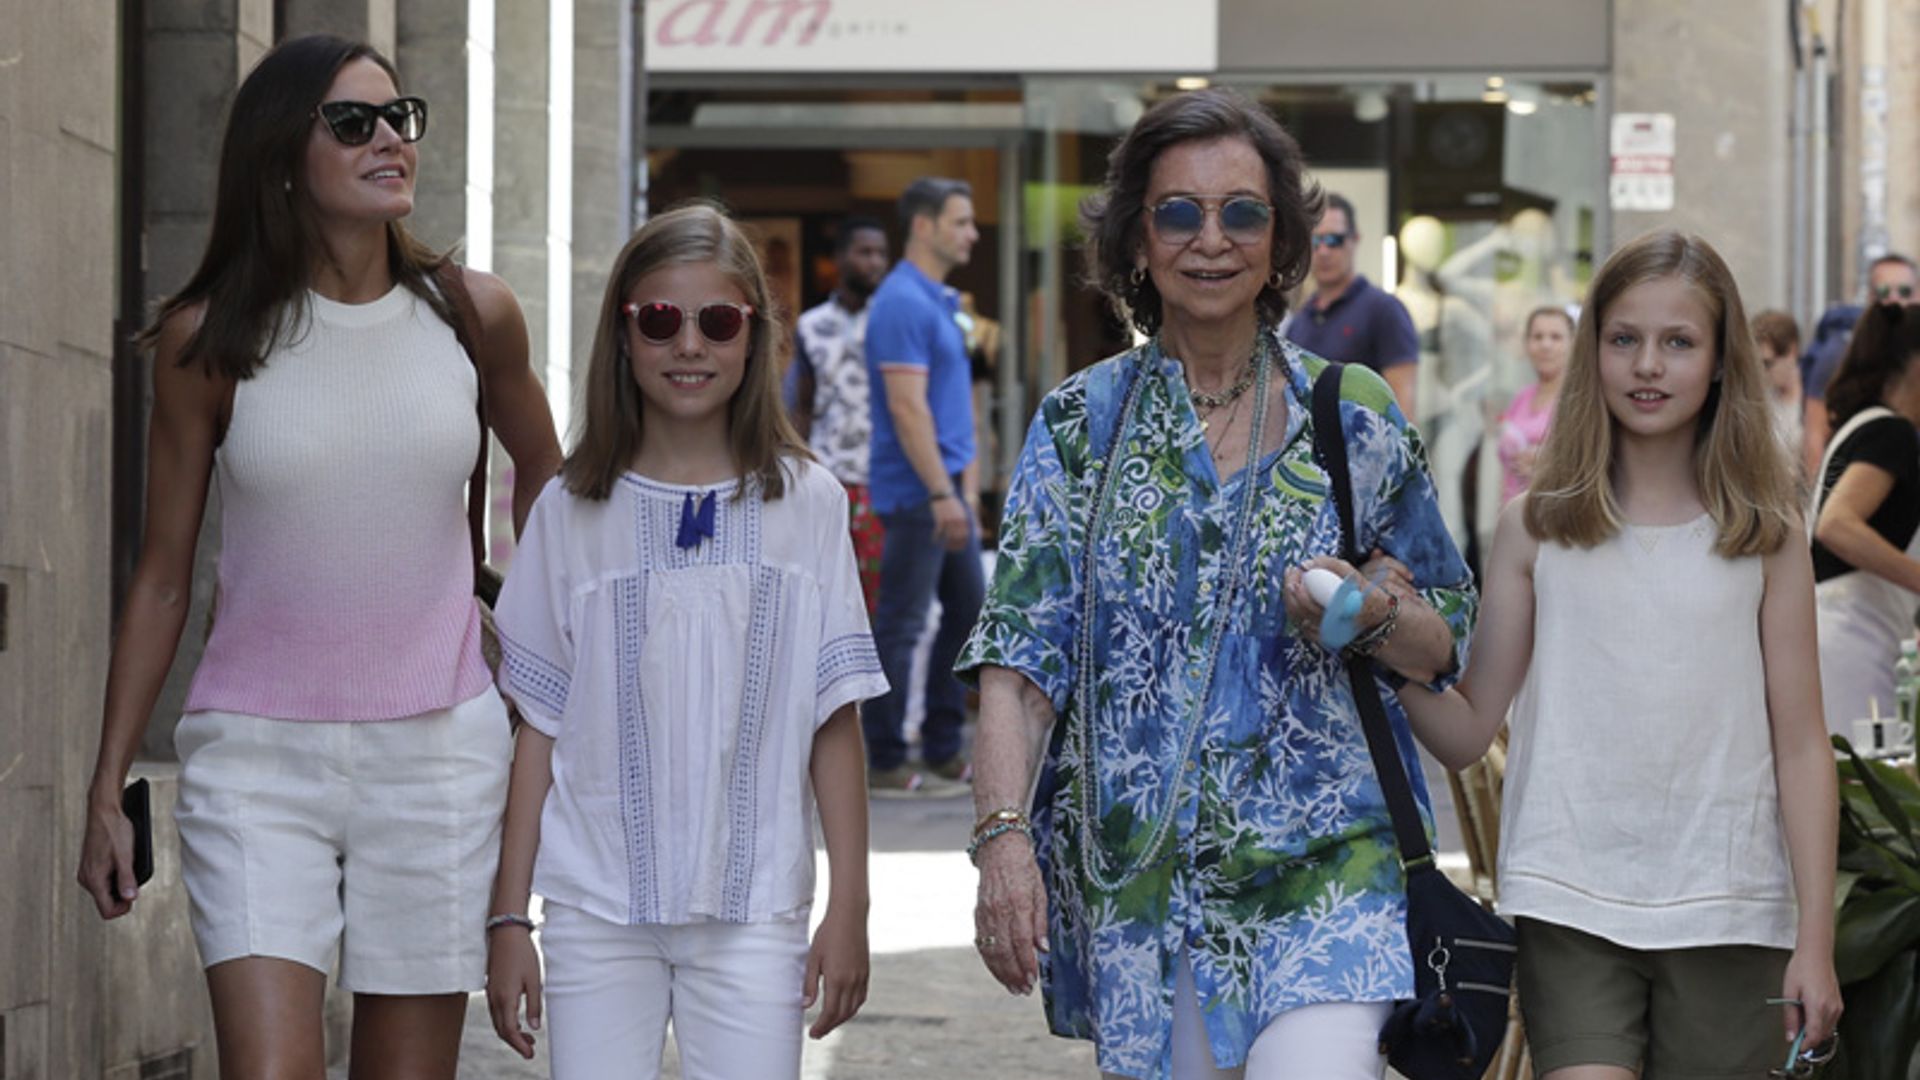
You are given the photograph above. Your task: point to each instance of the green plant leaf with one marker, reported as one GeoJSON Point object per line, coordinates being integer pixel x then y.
{"type": "Point", "coordinates": [1893, 865]}
{"type": "Point", "coordinates": [1861, 817]}
{"type": "Point", "coordinates": [1843, 883]}
{"type": "Point", "coordinates": [1881, 1025]}
{"type": "Point", "coordinates": [1879, 780]}
{"type": "Point", "coordinates": [1873, 928]}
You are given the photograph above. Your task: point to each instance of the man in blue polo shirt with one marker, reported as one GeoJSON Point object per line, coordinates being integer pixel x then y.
{"type": "Point", "coordinates": [925, 487]}
{"type": "Point", "coordinates": [1347, 319]}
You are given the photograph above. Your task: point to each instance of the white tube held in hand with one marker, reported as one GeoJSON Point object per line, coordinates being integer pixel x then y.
{"type": "Point", "coordinates": [1321, 584]}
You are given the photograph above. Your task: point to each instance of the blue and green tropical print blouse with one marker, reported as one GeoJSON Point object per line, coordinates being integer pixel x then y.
{"type": "Point", "coordinates": [1276, 872]}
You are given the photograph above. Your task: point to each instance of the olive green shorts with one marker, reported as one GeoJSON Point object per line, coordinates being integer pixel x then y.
{"type": "Point", "coordinates": [1685, 1013]}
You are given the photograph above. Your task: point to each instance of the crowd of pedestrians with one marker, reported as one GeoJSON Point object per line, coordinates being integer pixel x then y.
{"type": "Point", "coordinates": [708, 630]}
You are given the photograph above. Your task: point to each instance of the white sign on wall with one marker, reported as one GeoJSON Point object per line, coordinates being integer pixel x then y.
{"type": "Point", "coordinates": [1642, 145]}
{"type": "Point", "coordinates": [932, 35]}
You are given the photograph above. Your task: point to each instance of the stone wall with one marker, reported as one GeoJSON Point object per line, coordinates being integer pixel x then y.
{"type": "Point", "coordinates": [58, 171]}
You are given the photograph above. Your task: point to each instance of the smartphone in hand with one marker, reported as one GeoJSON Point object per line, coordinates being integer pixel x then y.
{"type": "Point", "coordinates": [137, 803]}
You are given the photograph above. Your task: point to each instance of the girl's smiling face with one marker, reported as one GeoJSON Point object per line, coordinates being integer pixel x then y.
{"type": "Point", "coordinates": [1658, 357]}
{"type": "Point", "coordinates": [688, 378]}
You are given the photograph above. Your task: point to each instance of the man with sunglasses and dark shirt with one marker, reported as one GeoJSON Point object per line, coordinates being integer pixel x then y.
{"type": "Point", "coordinates": [1347, 319]}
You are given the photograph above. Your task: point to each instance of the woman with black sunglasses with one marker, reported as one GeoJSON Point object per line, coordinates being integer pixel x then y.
{"type": "Point", "coordinates": [1206, 881]}
{"type": "Point", "coordinates": [343, 751]}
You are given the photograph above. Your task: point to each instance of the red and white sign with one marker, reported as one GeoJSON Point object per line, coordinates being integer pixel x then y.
{"type": "Point", "coordinates": [1642, 173]}
{"type": "Point", "coordinates": [932, 35]}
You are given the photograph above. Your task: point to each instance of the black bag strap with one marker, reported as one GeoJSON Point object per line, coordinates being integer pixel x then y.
{"type": "Point", "coordinates": [451, 277]}
{"type": "Point", "coordinates": [1330, 445]}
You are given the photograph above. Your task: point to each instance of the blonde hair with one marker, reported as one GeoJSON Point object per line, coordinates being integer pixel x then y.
{"type": "Point", "coordinates": [759, 433]}
{"type": "Point", "coordinates": [1745, 479]}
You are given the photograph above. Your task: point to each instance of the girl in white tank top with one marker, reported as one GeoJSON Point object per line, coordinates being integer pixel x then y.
{"type": "Point", "coordinates": [1648, 616]}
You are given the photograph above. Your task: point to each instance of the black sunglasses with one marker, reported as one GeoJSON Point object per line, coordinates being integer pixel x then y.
{"type": "Point", "coordinates": [354, 122]}
{"type": "Point", "coordinates": [1882, 292]}
{"type": "Point", "coordinates": [660, 321]}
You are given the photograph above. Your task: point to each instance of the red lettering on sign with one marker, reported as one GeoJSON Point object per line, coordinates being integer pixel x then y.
{"type": "Point", "coordinates": [707, 34]}
{"type": "Point", "coordinates": [786, 9]}
{"type": "Point", "coordinates": [792, 22]}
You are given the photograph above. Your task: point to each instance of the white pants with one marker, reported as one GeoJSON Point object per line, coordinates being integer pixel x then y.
{"type": "Point", "coordinates": [731, 990]}
{"type": "Point", "coordinates": [1335, 1041]}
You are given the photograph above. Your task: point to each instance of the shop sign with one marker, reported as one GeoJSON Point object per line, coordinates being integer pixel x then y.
{"type": "Point", "coordinates": [932, 35]}
{"type": "Point", "coordinates": [1642, 173]}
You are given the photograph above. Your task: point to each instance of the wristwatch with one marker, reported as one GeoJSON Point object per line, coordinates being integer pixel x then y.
{"type": "Point", "coordinates": [938, 495]}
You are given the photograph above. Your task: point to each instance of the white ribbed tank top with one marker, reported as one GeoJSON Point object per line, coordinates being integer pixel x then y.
{"type": "Point", "coordinates": [346, 577]}
{"type": "Point", "coordinates": [1640, 802]}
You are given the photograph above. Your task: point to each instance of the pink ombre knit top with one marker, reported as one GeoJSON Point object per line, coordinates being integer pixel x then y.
{"type": "Point", "coordinates": [346, 577]}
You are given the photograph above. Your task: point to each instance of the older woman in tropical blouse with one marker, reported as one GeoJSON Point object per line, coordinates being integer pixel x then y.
{"type": "Point", "coordinates": [1209, 878]}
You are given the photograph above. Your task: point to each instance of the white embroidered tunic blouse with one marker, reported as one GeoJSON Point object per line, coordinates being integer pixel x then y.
{"type": "Point", "coordinates": [683, 687]}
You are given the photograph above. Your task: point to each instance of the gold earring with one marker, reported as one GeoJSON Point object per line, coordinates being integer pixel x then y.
{"type": "Point", "coordinates": [1273, 281]}
{"type": "Point", "coordinates": [1139, 275]}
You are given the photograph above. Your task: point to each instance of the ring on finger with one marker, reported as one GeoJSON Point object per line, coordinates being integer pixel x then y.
{"type": "Point", "coordinates": [985, 941]}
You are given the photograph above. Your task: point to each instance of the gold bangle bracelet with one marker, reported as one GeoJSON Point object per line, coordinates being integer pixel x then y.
{"type": "Point", "coordinates": [994, 817]}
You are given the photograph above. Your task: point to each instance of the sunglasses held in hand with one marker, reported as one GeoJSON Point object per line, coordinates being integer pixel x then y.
{"type": "Point", "coordinates": [1802, 1059]}
{"type": "Point", "coordinates": [354, 122]}
{"type": "Point", "coordinates": [1243, 218]}
{"type": "Point", "coordinates": [659, 322]}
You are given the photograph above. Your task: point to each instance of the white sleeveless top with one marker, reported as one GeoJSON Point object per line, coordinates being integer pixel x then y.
{"type": "Point", "coordinates": [346, 572]}
{"type": "Point", "coordinates": [1640, 803]}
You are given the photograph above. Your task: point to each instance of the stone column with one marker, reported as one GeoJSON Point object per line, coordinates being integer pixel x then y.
{"type": "Point", "coordinates": [432, 46]}
{"type": "Point", "coordinates": [371, 21]}
{"type": "Point", "coordinates": [1728, 79]}
{"type": "Point", "coordinates": [58, 136]}
{"type": "Point", "coordinates": [597, 196]}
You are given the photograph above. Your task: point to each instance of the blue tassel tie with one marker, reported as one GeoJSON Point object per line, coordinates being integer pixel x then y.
{"type": "Point", "coordinates": [695, 524]}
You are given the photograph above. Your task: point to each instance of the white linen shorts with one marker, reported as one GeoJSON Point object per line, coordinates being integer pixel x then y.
{"type": "Point", "coordinates": [373, 840]}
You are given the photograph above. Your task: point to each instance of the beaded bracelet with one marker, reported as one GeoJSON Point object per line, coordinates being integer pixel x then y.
{"type": "Point", "coordinates": [994, 832]}
{"type": "Point", "coordinates": [495, 922]}
{"type": "Point", "coordinates": [1369, 643]}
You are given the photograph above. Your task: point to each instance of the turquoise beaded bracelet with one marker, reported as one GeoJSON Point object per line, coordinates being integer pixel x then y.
{"type": "Point", "coordinates": [994, 831]}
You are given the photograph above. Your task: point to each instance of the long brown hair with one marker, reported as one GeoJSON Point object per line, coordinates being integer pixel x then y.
{"type": "Point", "coordinates": [259, 257]}
{"type": "Point", "coordinates": [759, 432]}
{"type": "Point", "coordinates": [1745, 479]}
{"type": "Point", "coordinates": [1884, 342]}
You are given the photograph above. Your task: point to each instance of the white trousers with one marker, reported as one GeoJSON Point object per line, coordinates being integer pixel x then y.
{"type": "Point", "coordinates": [1335, 1041]}
{"type": "Point", "coordinates": [731, 990]}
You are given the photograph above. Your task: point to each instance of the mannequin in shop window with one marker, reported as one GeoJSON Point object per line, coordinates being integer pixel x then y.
{"type": "Point", "coordinates": [1456, 342]}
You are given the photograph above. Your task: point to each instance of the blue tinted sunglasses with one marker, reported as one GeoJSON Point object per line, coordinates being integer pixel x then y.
{"type": "Point", "coordinates": [1243, 218]}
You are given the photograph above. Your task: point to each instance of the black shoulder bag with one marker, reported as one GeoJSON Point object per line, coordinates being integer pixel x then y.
{"type": "Point", "coordinates": [1463, 955]}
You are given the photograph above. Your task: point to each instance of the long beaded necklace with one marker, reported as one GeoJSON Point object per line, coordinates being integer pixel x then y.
{"type": "Point", "coordinates": [1081, 731]}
